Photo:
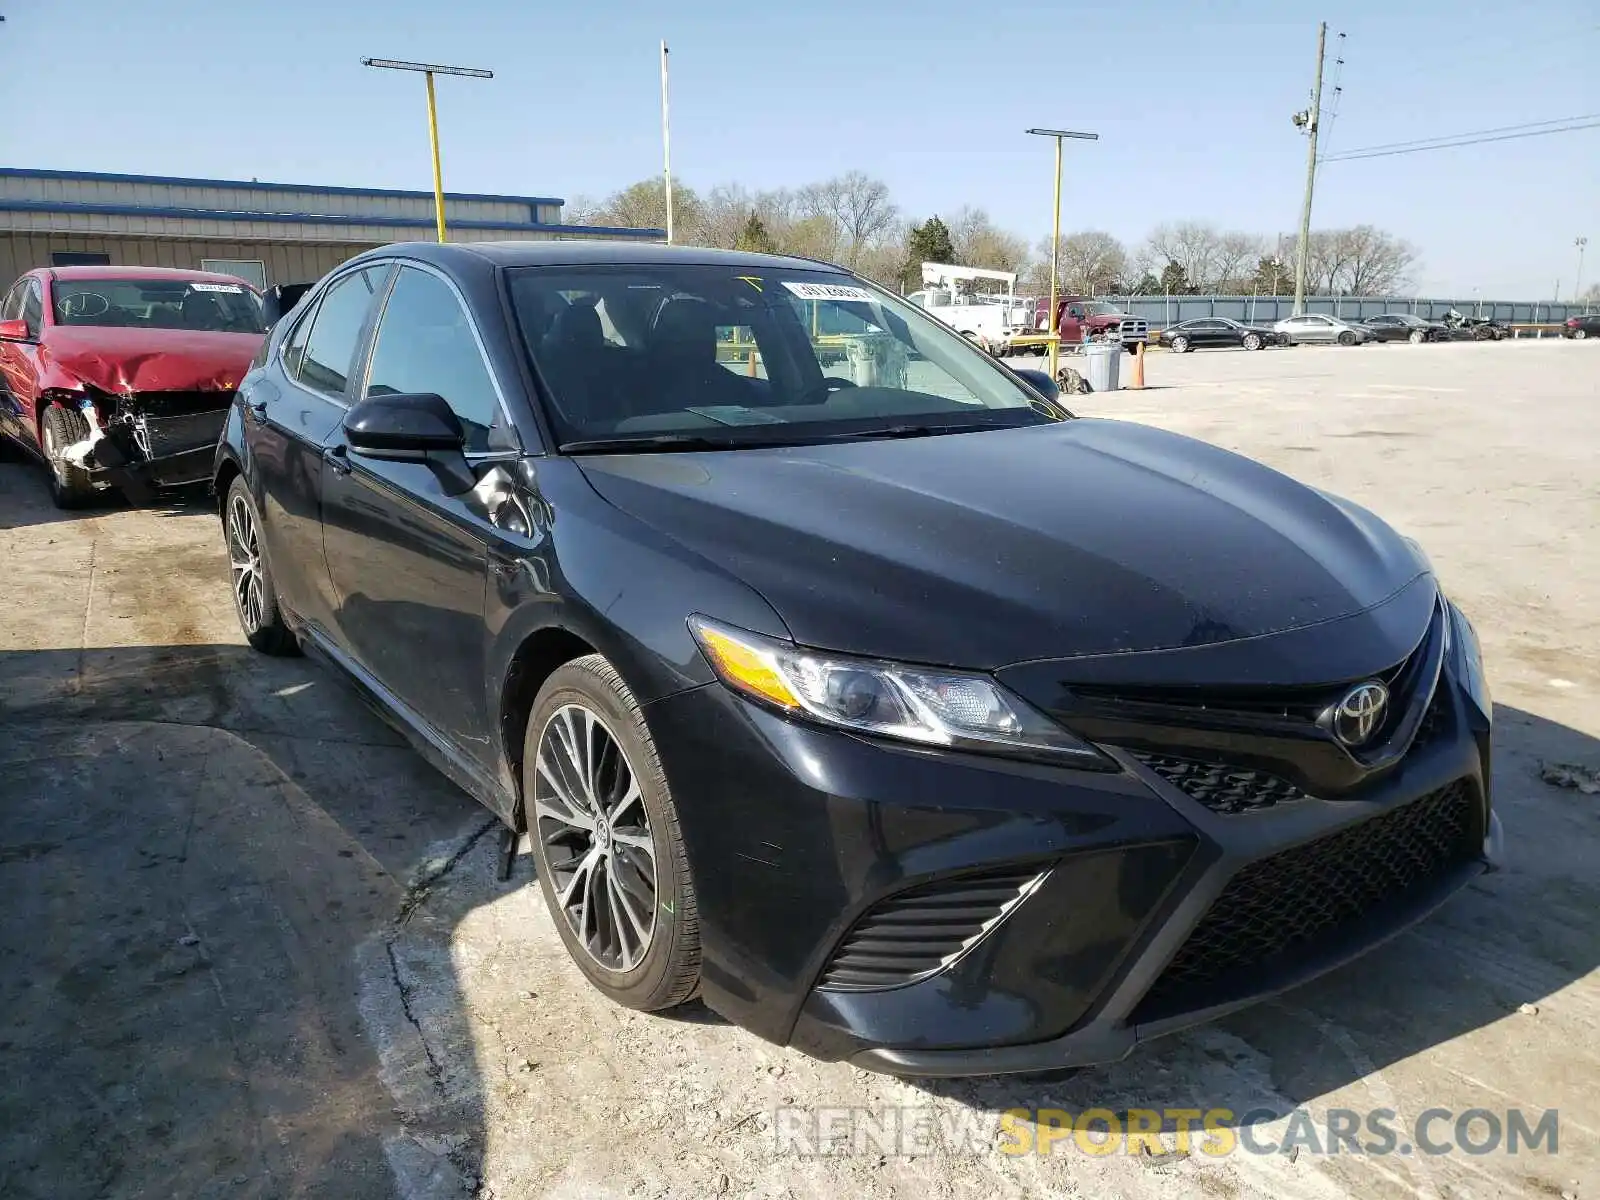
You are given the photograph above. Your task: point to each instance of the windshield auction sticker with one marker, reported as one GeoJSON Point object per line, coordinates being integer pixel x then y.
{"type": "Point", "coordinates": [827, 291]}
{"type": "Point", "coordinates": [215, 287]}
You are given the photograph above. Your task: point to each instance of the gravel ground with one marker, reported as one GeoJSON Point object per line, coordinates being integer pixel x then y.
{"type": "Point", "coordinates": [364, 1010]}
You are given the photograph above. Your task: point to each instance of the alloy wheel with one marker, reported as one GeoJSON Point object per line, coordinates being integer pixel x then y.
{"type": "Point", "coordinates": [244, 561]}
{"type": "Point", "coordinates": [594, 831]}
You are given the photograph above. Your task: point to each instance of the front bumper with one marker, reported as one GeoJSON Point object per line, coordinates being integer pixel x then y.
{"type": "Point", "coordinates": [801, 837]}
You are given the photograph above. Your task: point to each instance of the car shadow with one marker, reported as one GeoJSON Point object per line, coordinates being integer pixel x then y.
{"type": "Point", "coordinates": [1512, 938]}
{"type": "Point", "coordinates": [25, 497]}
{"type": "Point", "coordinates": [210, 859]}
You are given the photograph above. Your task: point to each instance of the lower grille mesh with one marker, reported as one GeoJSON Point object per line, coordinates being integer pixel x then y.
{"type": "Point", "coordinates": [1221, 788]}
{"type": "Point", "coordinates": [914, 933]}
{"type": "Point", "coordinates": [1286, 902]}
{"type": "Point", "coordinates": [174, 435]}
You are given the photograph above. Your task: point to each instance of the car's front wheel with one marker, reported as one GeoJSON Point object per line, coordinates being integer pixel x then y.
{"type": "Point", "coordinates": [611, 859]}
{"type": "Point", "coordinates": [1252, 341]}
{"type": "Point", "coordinates": [1578, 335]}
{"type": "Point", "coordinates": [1418, 336]}
{"type": "Point", "coordinates": [255, 600]}
{"type": "Point", "coordinates": [1347, 338]}
{"type": "Point", "coordinates": [70, 486]}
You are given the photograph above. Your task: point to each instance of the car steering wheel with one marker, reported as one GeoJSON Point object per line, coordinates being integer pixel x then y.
{"type": "Point", "coordinates": [83, 304]}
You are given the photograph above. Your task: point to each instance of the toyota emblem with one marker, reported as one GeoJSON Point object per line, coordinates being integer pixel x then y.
{"type": "Point", "coordinates": [1359, 714]}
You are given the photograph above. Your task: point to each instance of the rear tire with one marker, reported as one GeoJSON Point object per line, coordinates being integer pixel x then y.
{"type": "Point", "coordinates": [604, 827]}
{"type": "Point", "coordinates": [255, 600]}
{"type": "Point", "coordinates": [1180, 344]}
{"type": "Point", "coordinates": [70, 486]}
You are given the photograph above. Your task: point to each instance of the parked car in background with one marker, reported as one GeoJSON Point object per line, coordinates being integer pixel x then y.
{"type": "Point", "coordinates": [1039, 737]}
{"type": "Point", "coordinates": [1206, 333]}
{"type": "Point", "coordinates": [1321, 328]}
{"type": "Point", "coordinates": [1585, 325]}
{"type": "Point", "coordinates": [1405, 327]}
{"type": "Point", "coordinates": [122, 376]}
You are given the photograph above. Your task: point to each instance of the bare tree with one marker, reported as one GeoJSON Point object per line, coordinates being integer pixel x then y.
{"type": "Point", "coordinates": [859, 206]}
{"type": "Point", "coordinates": [1091, 262]}
{"type": "Point", "coordinates": [1375, 263]}
{"type": "Point", "coordinates": [1193, 245]}
{"type": "Point", "coordinates": [1236, 258]}
{"type": "Point", "coordinates": [979, 243]}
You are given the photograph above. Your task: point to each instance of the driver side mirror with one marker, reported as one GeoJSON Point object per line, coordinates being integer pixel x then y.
{"type": "Point", "coordinates": [1039, 381]}
{"type": "Point", "coordinates": [16, 330]}
{"type": "Point", "coordinates": [412, 427]}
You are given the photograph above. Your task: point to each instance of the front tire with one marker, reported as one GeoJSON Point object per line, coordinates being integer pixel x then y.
{"type": "Point", "coordinates": [70, 486]}
{"type": "Point", "coordinates": [255, 600]}
{"type": "Point", "coordinates": [1418, 337]}
{"type": "Point", "coordinates": [1579, 334]}
{"type": "Point", "coordinates": [1252, 341]}
{"type": "Point", "coordinates": [611, 859]}
{"type": "Point", "coordinates": [1347, 338]}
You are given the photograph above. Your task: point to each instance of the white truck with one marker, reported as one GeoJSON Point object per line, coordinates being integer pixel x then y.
{"type": "Point", "coordinates": [990, 319]}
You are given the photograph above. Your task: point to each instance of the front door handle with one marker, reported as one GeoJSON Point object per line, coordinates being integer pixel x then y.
{"type": "Point", "coordinates": [337, 457]}
{"type": "Point", "coordinates": [259, 407]}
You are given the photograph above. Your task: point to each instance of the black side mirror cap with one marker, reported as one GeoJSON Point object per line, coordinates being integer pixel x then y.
{"type": "Point", "coordinates": [412, 427]}
{"type": "Point", "coordinates": [1039, 381]}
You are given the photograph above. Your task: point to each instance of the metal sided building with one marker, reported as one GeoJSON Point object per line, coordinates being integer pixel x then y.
{"type": "Point", "coordinates": [267, 233]}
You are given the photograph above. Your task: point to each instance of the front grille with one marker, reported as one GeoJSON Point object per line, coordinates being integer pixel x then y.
{"type": "Point", "coordinates": [915, 933]}
{"type": "Point", "coordinates": [1222, 789]}
{"type": "Point", "coordinates": [174, 435]}
{"type": "Point", "coordinates": [1287, 903]}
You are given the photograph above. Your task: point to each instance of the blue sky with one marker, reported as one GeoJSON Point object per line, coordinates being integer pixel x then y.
{"type": "Point", "coordinates": [1192, 103]}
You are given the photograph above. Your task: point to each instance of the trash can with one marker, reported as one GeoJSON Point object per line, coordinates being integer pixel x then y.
{"type": "Point", "coordinates": [1102, 362]}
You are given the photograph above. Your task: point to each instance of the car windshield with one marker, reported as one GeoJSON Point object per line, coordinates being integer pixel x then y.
{"type": "Point", "coordinates": [1099, 308]}
{"type": "Point", "coordinates": [203, 305]}
{"type": "Point", "coordinates": [670, 355]}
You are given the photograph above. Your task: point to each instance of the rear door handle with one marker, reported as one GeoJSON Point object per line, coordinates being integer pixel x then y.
{"type": "Point", "coordinates": [338, 458]}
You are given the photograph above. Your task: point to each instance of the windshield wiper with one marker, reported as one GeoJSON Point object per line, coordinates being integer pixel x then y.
{"type": "Point", "coordinates": [913, 431]}
{"type": "Point", "coordinates": [664, 441]}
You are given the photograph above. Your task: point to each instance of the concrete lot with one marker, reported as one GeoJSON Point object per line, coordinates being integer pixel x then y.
{"type": "Point", "coordinates": [251, 946]}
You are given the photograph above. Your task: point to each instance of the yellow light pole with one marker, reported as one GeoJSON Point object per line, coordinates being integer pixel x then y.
{"type": "Point", "coordinates": [429, 70]}
{"type": "Point", "coordinates": [1055, 237]}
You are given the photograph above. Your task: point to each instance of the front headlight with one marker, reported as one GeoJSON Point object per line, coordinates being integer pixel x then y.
{"type": "Point", "coordinates": [958, 709]}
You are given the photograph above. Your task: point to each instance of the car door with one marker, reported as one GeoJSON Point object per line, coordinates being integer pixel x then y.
{"type": "Point", "coordinates": [19, 362]}
{"type": "Point", "coordinates": [409, 563]}
{"type": "Point", "coordinates": [289, 411]}
{"type": "Point", "coordinates": [1316, 329]}
{"type": "Point", "coordinates": [1209, 333]}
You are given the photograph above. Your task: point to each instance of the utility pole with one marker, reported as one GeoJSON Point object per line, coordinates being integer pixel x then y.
{"type": "Point", "coordinates": [666, 141]}
{"type": "Point", "coordinates": [1309, 121]}
{"type": "Point", "coordinates": [1577, 283]}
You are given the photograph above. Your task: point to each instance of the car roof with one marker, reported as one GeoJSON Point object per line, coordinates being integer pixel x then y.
{"type": "Point", "coordinates": [174, 273]}
{"type": "Point", "coordinates": [591, 251]}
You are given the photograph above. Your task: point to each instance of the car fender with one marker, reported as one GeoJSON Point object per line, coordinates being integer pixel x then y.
{"type": "Point", "coordinates": [621, 586]}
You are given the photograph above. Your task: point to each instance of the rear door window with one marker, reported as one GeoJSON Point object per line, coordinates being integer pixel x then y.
{"type": "Point", "coordinates": [335, 332]}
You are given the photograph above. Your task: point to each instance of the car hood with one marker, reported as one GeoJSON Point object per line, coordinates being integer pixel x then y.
{"type": "Point", "coordinates": [1085, 537]}
{"type": "Point", "coordinates": [148, 360]}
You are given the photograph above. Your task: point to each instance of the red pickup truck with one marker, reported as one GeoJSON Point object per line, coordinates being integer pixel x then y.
{"type": "Point", "coordinates": [1103, 320]}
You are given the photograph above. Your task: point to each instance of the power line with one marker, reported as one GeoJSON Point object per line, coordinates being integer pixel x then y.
{"type": "Point", "coordinates": [1452, 141]}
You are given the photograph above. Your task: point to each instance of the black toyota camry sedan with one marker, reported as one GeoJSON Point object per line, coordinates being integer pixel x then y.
{"type": "Point", "coordinates": [836, 673]}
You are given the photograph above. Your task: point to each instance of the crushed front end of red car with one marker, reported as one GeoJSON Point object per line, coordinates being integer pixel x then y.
{"type": "Point", "coordinates": [151, 365]}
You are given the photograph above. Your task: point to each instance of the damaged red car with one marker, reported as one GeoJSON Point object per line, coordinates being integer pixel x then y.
{"type": "Point", "coordinates": [121, 377]}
